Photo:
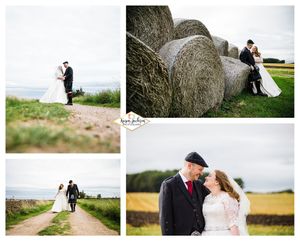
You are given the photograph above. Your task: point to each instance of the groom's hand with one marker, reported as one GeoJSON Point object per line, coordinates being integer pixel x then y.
{"type": "Point", "coordinates": [252, 67]}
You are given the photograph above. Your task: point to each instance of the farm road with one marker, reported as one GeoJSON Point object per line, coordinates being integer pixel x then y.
{"type": "Point", "coordinates": [81, 222]}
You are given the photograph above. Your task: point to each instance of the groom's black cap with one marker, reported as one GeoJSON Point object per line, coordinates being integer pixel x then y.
{"type": "Point", "coordinates": [66, 62]}
{"type": "Point", "coordinates": [250, 41]}
{"type": "Point", "coordinates": [194, 157]}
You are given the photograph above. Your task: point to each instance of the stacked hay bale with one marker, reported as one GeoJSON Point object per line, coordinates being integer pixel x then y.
{"type": "Point", "coordinates": [189, 27]}
{"type": "Point", "coordinates": [196, 75]}
{"type": "Point", "coordinates": [149, 93]}
{"type": "Point", "coordinates": [236, 76]}
{"type": "Point", "coordinates": [233, 51]}
{"type": "Point", "coordinates": [221, 45]}
{"type": "Point", "coordinates": [153, 25]}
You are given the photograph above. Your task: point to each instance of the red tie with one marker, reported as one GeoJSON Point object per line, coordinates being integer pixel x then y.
{"type": "Point", "coordinates": [190, 187]}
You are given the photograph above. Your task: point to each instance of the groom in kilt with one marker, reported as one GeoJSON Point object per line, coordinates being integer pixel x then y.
{"type": "Point", "coordinates": [68, 82]}
{"type": "Point", "coordinates": [72, 194]}
{"type": "Point", "coordinates": [254, 78]}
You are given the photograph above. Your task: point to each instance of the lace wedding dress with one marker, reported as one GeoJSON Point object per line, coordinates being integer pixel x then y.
{"type": "Point", "coordinates": [56, 92]}
{"type": "Point", "coordinates": [61, 202]}
{"type": "Point", "coordinates": [220, 213]}
{"type": "Point", "coordinates": [268, 85]}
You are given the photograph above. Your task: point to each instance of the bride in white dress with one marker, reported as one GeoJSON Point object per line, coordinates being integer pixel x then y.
{"type": "Point", "coordinates": [56, 92]}
{"type": "Point", "coordinates": [268, 85]}
{"type": "Point", "coordinates": [61, 201]}
{"type": "Point", "coordinates": [226, 207]}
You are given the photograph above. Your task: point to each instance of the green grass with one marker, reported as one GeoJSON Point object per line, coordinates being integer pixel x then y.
{"type": "Point", "coordinates": [106, 210]}
{"type": "Point", "coordinates": [23, 110]}
{"type": "Point", "coordinates": [60, 225]}
{"type": "Point", "coordinates": [154, 230]}
{"type": "Point", "coordinates": [247, 105]}
{"type": "Point", "coordinates": [13, 218]}
{"type": "Point", "coordinates": [35, 137]}
{"type": "Point", "coordinates": [270, 230]}
{"type": "Point", "coordinates": [107, 98]}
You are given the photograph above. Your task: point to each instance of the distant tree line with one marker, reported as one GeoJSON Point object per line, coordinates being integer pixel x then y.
{"type": "Point", "coordinates": [273, 61]}
{"type": "Point", "coordinates": [150, 181]}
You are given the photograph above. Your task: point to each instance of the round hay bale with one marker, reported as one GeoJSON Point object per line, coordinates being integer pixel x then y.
{"type": "Point", "coordinates": [153, 25]}
{"type": "Point", "coordinates": [221, 45]}
{"type": "Point", "coordinates": [189, 27]}
{"type": "Point", "coordinates": [236, 76]}
{"type": "Point", "coordinates": [149, 93]}
{"type": "Point", "coordinates": [196, 74]}
{"type": "Point", "coordinates": [233, 51]}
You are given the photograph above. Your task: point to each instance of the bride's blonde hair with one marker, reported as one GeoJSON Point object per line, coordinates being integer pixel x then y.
{"type": "Point", "coordinates": [256, 53]}
{"type": "Point", "coordinates": [225, 185]}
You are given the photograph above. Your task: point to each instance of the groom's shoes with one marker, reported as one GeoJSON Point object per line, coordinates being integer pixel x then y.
{"type": "Point", "coordinates": [69, 104]}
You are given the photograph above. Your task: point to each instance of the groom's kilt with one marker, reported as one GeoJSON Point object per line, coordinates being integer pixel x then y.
{"type": "Point", "coordinates": [254, 76]}
{"type": "Point", "coordinates": [68, 86]}
{"type": "Point", "coordinates": [72, 198]}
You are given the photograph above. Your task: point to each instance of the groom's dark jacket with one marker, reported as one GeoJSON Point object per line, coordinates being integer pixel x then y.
{"type": "Point", "coordinates": [246, 57]}
{"type": "Point", "coordinates": [73, 190]}
{"type": "Point", "coordinates": [68, 82]}
{"type": "Point", "coordinates": [68, 74]}
{"type": "Point", "coordinates": [180, 213]}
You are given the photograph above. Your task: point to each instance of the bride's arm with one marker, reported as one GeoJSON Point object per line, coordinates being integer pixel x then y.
{"type": "Point", "coordinates": [232, 209]}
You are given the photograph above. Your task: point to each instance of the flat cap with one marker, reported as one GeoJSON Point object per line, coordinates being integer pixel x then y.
{"type": "Point", "coordinates": [250, 41]}
{"type": "Point", "coordinates": [194, 157]}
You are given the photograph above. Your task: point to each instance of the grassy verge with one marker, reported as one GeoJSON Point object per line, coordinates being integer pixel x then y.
{"type": "Point", "coordinates": [35, 127]}
{"type": "Point", "coordinates": [24, 211]}
{"type": "Point", "coordinates": [247, 105]}
{"type": "Point", "coordinates": [41, 136]}
{"type": "Point", "coordinates": [108, 98]}
{"type": "Point", "coordinates": [154, 230]}
{"type": "Point", "coordinates": [270, 230]}
{"type": "Point", "coordinates": [23, 110]}
{"type": "Point", "coordinates": [60, 225]}
{"type": "Point", "coordinates": [105, 209]}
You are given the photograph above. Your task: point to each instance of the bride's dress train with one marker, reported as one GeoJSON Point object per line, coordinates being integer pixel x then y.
{"type": "Point", "coordinates": [61, 202]}
{"type": "Point", "coordinates": [268, 85]}
{"type": "Point", "coordinates": [56, 92]}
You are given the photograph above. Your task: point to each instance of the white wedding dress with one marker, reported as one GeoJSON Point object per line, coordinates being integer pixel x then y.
{"type": "Point", "coordinates": [268, 85]}
{"type": "Point", "coordinates": [220, 213]}
{"type": "Point", "coordinates": [56, 92]}
{"type": "Point", "coordinates": [61, 202]}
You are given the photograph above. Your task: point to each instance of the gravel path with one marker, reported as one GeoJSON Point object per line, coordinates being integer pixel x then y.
{"type": "Point", "coordinates": [82, 223]}
{"type": "Point", "coordinates": [96, 121]}
{"type": "Point", "coordinates": [32, 226]}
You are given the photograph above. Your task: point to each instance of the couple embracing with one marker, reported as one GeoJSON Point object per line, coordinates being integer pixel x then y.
{"type": "Point", "coordinates": [60, 90]}
{"type": "Point", "coordinates": [189, 207]}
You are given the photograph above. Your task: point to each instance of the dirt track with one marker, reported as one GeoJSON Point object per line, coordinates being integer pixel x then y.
{"type": "Point", "coordinates": [32, 225]}
{"type": "Point", "coordinates": [82, 223]}
{"type": "Point", "coordinates": [95, 121]}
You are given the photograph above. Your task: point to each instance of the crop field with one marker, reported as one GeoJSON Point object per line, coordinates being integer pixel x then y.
{"type": "Point", "coordinates": [271, 214]}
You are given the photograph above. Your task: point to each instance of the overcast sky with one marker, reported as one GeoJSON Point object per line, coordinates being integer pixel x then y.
{"type": "Point", "coordinates": [39, 38]}
{"type": "Point", "coordinates": [261, 154]}
{"type": "Point", "coordinates": [270, 27]}
{"type": "Point", "coordinates": [45, 173]}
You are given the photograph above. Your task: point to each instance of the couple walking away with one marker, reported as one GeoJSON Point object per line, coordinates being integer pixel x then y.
{"type": "Point", "coordinates": [65, 200]}
{"type": "Point", "coordinates": [60, 90]}
{"type": "Point", "coordinates": [260, 81]}
{"type": "Point", "coordinates": [189, 207]}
